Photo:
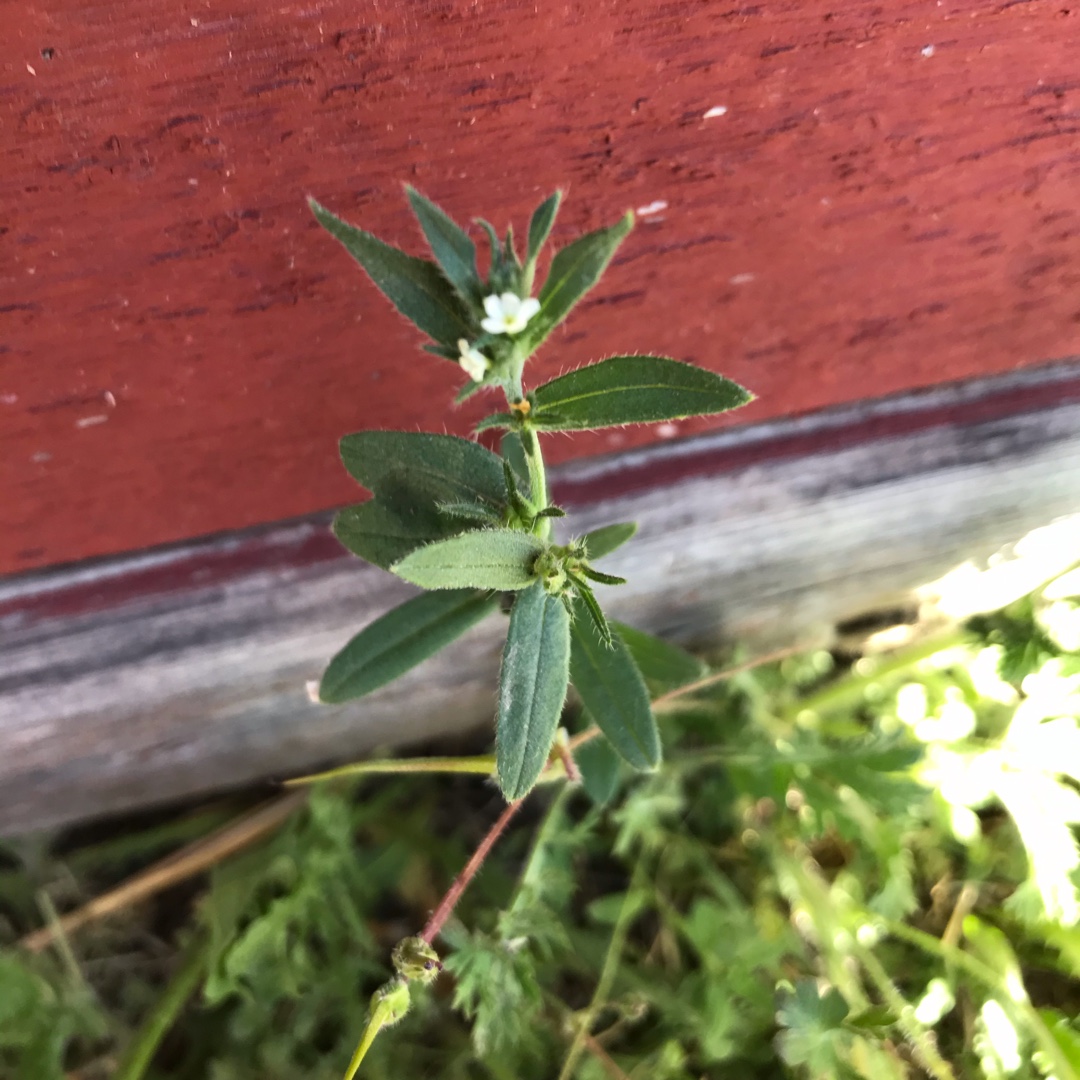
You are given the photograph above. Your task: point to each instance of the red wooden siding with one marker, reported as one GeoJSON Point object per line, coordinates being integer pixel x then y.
{"type": "Point", "coordinates": [887, 200]}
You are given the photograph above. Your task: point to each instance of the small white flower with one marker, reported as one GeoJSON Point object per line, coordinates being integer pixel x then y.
{"type": "Point", "coordinates": [473, 362]}
{"type": "Point", "coordinates": [508, 314]}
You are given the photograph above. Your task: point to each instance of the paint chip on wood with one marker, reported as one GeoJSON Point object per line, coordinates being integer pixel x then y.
{"type": "Point", "coordinates": [928, 50]}
{"type": "Point", "coordinates": [716, 110]}
{"type": "Point", "coordinates": [653, 208]}
{"type": "Point", "coordinates": [741, 279]}
{"type": "Point", "coordinates": [90, 421]}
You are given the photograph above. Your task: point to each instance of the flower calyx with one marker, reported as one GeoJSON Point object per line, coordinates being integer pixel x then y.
{"type": "Point", "coordinates": [416, 961]}
{"type": "Point", "coordinates": [566, 573]}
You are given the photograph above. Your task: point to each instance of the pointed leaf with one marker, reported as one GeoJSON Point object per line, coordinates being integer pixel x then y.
{"type": "Point", "coordinates": [384, 535]}
{"type": "Point", "coordinates": [495, 420]}
{"type": "Point", "coordinates": [574, 271]}
{"type": "Point", "coordinates": [469, 512]}
{"type": "Point", "coordinates": [605, 540]}
{"type": "Point", "coordinates": [633, 390]}
{"type": "Point", "coordinates": [604, 579]}
{"type": "Point", "coordinates": [482, 559]}
{"type": "Point", "coordinates": [446, 468]}
{"type": "Point", "coordinates": [416, 287]}
{"type": "Point", "coordinates": [401, 639]}
{"type": "Point", "coordinates": [599, 766]}
{"type": "Point", "coordinates": [450, 244]}
{"type": "Point", "coordinates": [613, 691]}
{"type": "Point", "coordinates": [532, 688]}
{"type": "Point", "coordinates": [510, 448]}
{"type": "Point", "coordinates": [664, 666]}
{"type": "Point", "coordinates": [541, 222]}
{"type": "Point", "coordinates": [588, 601]}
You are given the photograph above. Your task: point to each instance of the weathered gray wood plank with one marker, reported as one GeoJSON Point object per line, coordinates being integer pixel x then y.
{"type": "Point", "coordinates": [114, 696]}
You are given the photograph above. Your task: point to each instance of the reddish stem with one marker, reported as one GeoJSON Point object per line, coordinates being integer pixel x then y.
{"type": "Point", "coordinates": [461, 882]}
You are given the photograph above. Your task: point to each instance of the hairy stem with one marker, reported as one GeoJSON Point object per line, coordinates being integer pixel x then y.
{"type": "Point", "coordinates": [537, 479]}
{"type": "Point", "coordinates": [917, 1035]}
{"type": "Point", "coordinates": [461, 882]}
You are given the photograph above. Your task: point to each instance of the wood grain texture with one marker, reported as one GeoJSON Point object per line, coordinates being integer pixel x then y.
{"type": "Point", "coordinates": [847, 200]}
{"type": "Point", "coordinates": [182, 671]}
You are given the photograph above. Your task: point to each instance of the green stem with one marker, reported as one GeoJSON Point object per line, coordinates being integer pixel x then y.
{"type": "Point", "coordinates": [184, 983]}
{"type": "Point", "coordinates": [537, 479]}
{"type": "Point", "coordinates": [992, 980]}
{"type": "Point", "coordinates": [483, 765]}
{"type": "Point", "coordinates": [914, 1032]}
{"type": "Point", "coordinates": [627, 913]}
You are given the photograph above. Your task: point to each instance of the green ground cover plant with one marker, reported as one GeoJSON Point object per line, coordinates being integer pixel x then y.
{"type": "Point", "coordinates": [846, 867]}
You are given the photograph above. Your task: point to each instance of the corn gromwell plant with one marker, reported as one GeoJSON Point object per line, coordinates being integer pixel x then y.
{"type": "Point", "coordinates": [470, 526]}
{"type": "Point", "coordinates": [467, 524]}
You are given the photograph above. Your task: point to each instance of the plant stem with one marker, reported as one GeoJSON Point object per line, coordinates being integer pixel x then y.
{"type": "Point", "coordinates": [627, 913]}
{"type": "Point", "coordinates": [921, 1039]}
{"type": "Point", "coordinates": [993, 981]}
{"type": "Point", "coordinates": [537, 479]}
{"type": "Point", "coordinates": [180, 866]}
{"type": "Point", "coordinates": [461, 882]}
{"type": "Point", "coordinates": [184, 983]}
{"type": "Point", "coordinates": [483, 764]}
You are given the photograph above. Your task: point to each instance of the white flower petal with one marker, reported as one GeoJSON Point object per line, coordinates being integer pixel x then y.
{"type": "Point", "coordinates": [529, 308]}
{"type": "Point", "coordinates": [493, 308]}
{"type": "Point", "coordinates": [493, 326]}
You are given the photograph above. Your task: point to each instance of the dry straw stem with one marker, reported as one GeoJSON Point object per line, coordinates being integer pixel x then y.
{"type": "Point", "coordinates": [181, 865]}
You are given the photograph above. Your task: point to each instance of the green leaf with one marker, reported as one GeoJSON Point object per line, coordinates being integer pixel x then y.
{"type": "Point", "coordinates": [483, 559]}
{"type": "Point", "coordinates": [664, 666]}
{"type": "Point", "coordinates": [599, 766]}
{"type": "Point", "coordinates": [1065, 1035]}
{"type": "Point", "coordinates": [605, 540]}
{"type": "Point", "coordinates": [442, 467]}
{"type": "Point", "coordinates": [495, 420]}
{"type": "Point", "coordinates": [511, 449]}
{"type": "Point", "coordinates": [532, 688]}
{"type": "Point", "coordinates": [574, 271]}
{"type": "Point", "coordinates": [450, 244]}
{"type": "Point", "coordinates": [383, 534]}
{"type": "Point", "coordinates": [613, 691]}
{"type": "Point", "coordinates": [633, 390]}
{"type": "Point", "coordinates": [592, 608]}
{"type": "Point", "coordinates": [416, 287]}
{"type": "Point", "coordinates": [401, 639]}
{"type": "Point", "coordinates": [540, 224]}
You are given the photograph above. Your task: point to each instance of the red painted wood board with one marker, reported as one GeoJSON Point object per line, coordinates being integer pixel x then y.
{"type": "Point", "coordinates": [837, 202]}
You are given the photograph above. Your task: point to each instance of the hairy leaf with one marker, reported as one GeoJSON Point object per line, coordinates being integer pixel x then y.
{"type": "Point", "coordinates": [605, 540]}
{"type": "Point", "coordinates": [613, 691]}
{"type": "Point", "coordinates": [483, 559]}
{"type": "Point", "coordinates": [443, 467]}
{"type": "Point", "coordinates": [384, 534]}
{"type": "Point", "coordinates": [401, 639]}
{"type": "Point", "coordinates": [450, 244]}
{"type": "Point", "coordinates": [532, 688]}
{"type": "Point", "coordinates": [633, 390]}
{"type": "Point", "coordinates": [599, 765]}
{"type": "Point", "coordinates": [574, 271]}
{"type": "Point", "coordinates": [664, 666]}
{"type": "Point", "coordinates": [540, 224]}
{"type": "Point", "coordinates": [416, 287]}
